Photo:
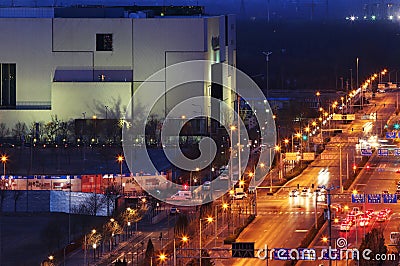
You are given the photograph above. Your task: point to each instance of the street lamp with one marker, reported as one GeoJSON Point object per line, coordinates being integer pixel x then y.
{"type": "Point", "coordinates": [209, 220]}
{"type": "Point", "coordinates": [318, 94]}
{"type": "Point", "coordinates": [85, 253]}
{"type": "Point", "coordinates": [267, 54]}
{"type": "Point", "coordinates": [120, 160]}
{"type": "Point", "coordinates": [162, 257]}
{"type": "Point", "coordinates": [232, 128]}
{"type": "Point", "coordinates": [94, 251]}
{"type": "Point", "coordinates": [184, 239]}
{"type": "Point", "coordinates": [4, 159]}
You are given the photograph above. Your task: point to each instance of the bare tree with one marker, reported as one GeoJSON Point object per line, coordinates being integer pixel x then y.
{"type": "Point", "coordinates": [4, 130]}
{"type": "Point", "coordinates": [110, 230]}
{"type": "Point", "coordinates": [19, 131]}
{"type": "Point", "coordinates": [16, 195]}
{"type": "Point", "coordinates": [90, 206]}
{"type": "Point", "coordinates": [3, 195]}
{"type": "Point", "coordinates": [111, 192]}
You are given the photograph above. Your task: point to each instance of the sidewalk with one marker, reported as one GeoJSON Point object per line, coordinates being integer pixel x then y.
{"type": "Point", "coordinates": [77, 258]}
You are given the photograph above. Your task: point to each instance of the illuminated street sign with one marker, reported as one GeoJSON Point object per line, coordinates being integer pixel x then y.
{"type": "Point", "coordinates": [374, 198]}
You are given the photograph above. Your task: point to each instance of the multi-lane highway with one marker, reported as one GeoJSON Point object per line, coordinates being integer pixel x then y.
{"type": "Point", "coordinates": [283, 221]}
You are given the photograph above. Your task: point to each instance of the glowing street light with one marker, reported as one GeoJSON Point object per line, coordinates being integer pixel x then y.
{"type": "Point", "coordinates": [4, 159]}
{"type": "Point", "coordinates": [162, 257]}
{"type": "Point", "coordinates": [209, 220]}
{"type": "Point", "coordinates": [184, 239]}
{"type": "Point", "coordinates": [120, 160]}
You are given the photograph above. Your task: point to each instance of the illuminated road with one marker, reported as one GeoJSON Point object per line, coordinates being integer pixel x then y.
{"type": "Point", "coordinates": [282, 222]}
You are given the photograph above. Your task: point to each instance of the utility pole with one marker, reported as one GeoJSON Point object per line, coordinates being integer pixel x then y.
{"type": "Point", "coordinates": [267, 54]}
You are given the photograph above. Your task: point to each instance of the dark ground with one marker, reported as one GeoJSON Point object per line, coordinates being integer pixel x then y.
{"type": "Point", "coordinates": [27, 239]}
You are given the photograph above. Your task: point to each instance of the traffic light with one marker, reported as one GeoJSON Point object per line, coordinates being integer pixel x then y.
{"type": "Point", "coordinates": [352, 129]}
{"type": "Point", "coordinates": [298, 186]}
{"type": "Point", "coordinates": [384, 104]}
{"type": "Point", "coordinates": [396, 126]}
{"type": "Point", "coordinates": [304, 137]}
{"type": "Point", "coordinates": [368, 167]}
{"type": "Point", "coordinates": [160, 237]}
{"type": "Point", "coordinates": [354, 167]}
{"type": "Point", "coordinates": [312, 185]}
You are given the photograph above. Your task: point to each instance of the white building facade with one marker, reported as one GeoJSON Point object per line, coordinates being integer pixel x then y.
{"type": "Point", "coordinates": [54, 63]}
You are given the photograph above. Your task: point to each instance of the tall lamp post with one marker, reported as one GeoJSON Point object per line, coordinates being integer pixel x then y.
{"type": "Point", "coordinates": [209, 220]}
{"type": "Point", "coordinates": [120, 160]}
{"type": "Point", "coordinates": [267, 54]}
{"type": "Point", "coordinates": [184, 239]}
{"type": "Point", "coordinates": [318, 94]}
{"type": "Point", "coordinates": [232, 128]}
{"type": "Point", "coordinates": [85, 256]}
{"type": "Point", "coordinates": [4, 159]}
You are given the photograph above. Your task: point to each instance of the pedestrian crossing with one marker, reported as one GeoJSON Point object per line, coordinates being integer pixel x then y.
{"type": "Point", "coordinates": [286, 212]}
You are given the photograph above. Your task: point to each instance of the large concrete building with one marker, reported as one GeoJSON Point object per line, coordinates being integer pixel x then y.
{"type": "Point", "coordinates": [79, 62]}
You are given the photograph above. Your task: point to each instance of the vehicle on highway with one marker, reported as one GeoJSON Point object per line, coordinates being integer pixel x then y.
{"type": "Point", "coordinates": [182, 195]}
{"type": "Point", "coordinates": [388, 211]}
{"type": "Point", "coordinates": [305, 192]}
{"type": "Point", "coordinates": [321, 194]}
{"type": "Point", "coordinates": [252, 189]}
{"type": "Point", "coordinates": [382, 216]}
{"type": "Point", "coordinates": [364, 221]}
{"type": "Point", "coordinates": [337, 207]}
{"type": "Point", "coordinates": [294, 193]}
{"type": "Point", "coordinates": [207, 185]}
{"type": "Point", "coordinates": [173, 211]}
{"type": "Point", "coordinates": [240, 195]}
{"type": "Point", "coordinates": [345, 226]}
{"type": "Point", "coordinates": [370, 213]}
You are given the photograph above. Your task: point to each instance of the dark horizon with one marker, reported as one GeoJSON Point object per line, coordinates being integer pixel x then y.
{"type": "Point", "coordinates": [287, 9]}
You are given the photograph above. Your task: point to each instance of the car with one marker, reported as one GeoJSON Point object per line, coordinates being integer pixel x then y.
{"type": "Point", "coordinates": [364, 220]}
{"type": "Point", "coordinates": [321, 194]}
{"type": "Point", "coordinates": [337, 207]}
{"type": "Point", "coordinates": [398, 172]}
{"type": "Point", "coordinates": [294, 193]}
{"type": "Point", "coordinates": [382, 216]}
{"type": "Point", "coordinates": [305, 192]}
{"type": "Point", "coordinates": [388, 211]}
{"type": "Point", "coordinates": [370, 213]}
{"type": "Point", "coordinates": [240, 195]}
{"type": "Point", "coordinates": [345, 226]}
{"type": "Point", "coordinates": [252, 189]}
{"type": "Point", "coordinates": [173, 211]}
{"type": "Point", "coordinates": [207, 185]}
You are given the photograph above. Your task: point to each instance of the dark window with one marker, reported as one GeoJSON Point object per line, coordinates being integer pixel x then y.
{"type": "Point", "coordinates": [104, 42]}
{"type": "Point", "coordinates": [8, 85]}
